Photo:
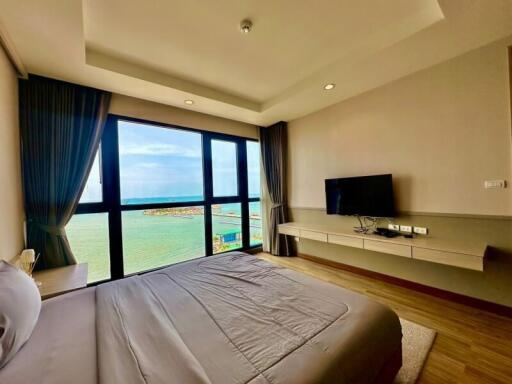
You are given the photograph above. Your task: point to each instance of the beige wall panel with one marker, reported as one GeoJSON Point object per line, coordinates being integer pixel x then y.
{"type": "Point", "coordinates": [11, 201]}
{"type": "Point", "coordinates": [148, 110]}
{"type": "Point", "coordinates": [441, 132]}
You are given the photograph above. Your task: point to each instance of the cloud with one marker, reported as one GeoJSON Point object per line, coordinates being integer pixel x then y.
{"type": "Point", "coordinates": [149, 165]}
{"type": "Point", "coordinates": [159, 149]}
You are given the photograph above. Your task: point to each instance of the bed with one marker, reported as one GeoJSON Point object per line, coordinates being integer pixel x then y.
{"type": "Point", "coordinates": [230, 318]}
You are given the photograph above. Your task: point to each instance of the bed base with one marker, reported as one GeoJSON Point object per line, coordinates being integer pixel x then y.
{"type": "Point", "coordinates": [390, 369]}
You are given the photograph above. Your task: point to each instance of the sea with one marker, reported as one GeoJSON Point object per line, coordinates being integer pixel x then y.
{"type": "Point", "coordinates": [151, 240]}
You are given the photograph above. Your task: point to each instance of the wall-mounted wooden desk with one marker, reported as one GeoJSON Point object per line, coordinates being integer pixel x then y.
{"type": "Point", "coordinates": [455, 253]}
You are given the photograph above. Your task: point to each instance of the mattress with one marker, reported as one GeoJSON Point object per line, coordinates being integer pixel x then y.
{"type": "Point", "coordinates": [229, 318]}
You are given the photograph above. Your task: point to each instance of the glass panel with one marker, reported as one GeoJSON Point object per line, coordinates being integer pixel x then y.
{"type": "Point", "coordinates": [226, 227]}
{"type": "Point", "coordinates": [255, 223]}
{"type": "Point", "coordinates": [157, 237]}
{"type": "Point", "coordinates": [253, 168]}
{"type": "Point", "coordinates": [93, 192]}
{"type": "Point", "coordinates": [88, 238]}
{"type": "Point", "coordinates": [224, 164]}
{"type": "Point", "coordinates": [158, 164]}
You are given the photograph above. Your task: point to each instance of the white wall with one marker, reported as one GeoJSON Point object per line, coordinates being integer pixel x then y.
{"type": "Point", "coordinates": [11, 201]}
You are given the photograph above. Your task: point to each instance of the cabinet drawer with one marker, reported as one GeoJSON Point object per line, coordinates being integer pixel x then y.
{"type": "Point", "coordinates": [312, 235]}
{"type": "Point", "coordinates": [394, 249]}
{"type": "Point", "coordinates": [449, 258]}
{"type": "Point", "coordinates": [289, 231]}
{"type": "Point", "coordinates": [345, 240]}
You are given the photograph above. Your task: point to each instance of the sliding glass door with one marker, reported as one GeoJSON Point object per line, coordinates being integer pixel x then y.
{"type": "Point", "coordinates": [166, 194]}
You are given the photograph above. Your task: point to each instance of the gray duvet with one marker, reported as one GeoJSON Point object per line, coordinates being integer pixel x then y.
{"type": "Point", "coordinates": [234, 318]}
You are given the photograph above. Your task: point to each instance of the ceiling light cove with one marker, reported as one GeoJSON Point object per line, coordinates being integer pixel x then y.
{"type": "Point", "coordinates": [329, 86]}
{"type": "Point", "coordinates": [189, 102]}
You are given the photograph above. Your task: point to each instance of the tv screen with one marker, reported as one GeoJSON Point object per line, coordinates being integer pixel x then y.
{"type": "Point", "coordinates": [364, 196]}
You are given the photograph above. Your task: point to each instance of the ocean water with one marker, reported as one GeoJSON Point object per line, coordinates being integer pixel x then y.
{"type": "Point", "coordinates": [151, 240]}
{"type": "Point", "coordinates": [172, 199]}
{"type": "Point", "coordinates": [155, 200]}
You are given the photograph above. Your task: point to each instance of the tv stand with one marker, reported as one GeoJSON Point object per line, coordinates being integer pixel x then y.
{"type": "Point", "coordinates": [465, 254]}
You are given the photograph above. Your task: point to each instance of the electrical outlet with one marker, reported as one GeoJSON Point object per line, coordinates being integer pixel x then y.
{"type": "Point", "coordinates": [394, 227]}
{"type": "Point", "coordinates": [406, 228]}
{"type": "Point", "coordinates": [491, 184]}
{"type": "Point", "coordinates": [421, 230]}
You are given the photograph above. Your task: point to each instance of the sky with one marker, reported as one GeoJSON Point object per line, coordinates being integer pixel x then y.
{"type": "Point", "coordinates": [162, 162]}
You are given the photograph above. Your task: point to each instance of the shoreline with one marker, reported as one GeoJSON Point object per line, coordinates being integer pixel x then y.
{"type": "Point", "coordinates": [186, 212]}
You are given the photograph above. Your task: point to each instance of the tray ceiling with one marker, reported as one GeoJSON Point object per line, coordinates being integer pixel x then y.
{"type": "Point", "coordinates": [169, 51]}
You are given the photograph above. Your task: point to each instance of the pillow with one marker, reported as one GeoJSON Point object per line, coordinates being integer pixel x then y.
{"type": "Point", "coordinates": [20, 303]}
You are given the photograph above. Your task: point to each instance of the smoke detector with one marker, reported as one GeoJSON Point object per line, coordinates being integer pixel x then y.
{"type": "Point", "coordinates": [246, 26]}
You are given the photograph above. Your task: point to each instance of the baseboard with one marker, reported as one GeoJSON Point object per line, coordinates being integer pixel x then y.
{"type": "Point", "coordinates": [480, 304]}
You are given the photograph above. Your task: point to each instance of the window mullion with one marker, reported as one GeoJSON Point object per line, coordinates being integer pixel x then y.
{"type": "Point", "coordinates": [208, 192]}
{"type": "Point", "coordinates": [112, 196]}
{"type": "Point", "coordinates": [244, 191]}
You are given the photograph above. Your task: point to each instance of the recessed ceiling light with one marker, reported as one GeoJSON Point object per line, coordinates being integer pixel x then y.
{"type": "Point", "coordinates": [189, 102]}
{"type": "Point", "coordinates": [329, 86]}
{"type": "Point", "coordinates": [246, 26]}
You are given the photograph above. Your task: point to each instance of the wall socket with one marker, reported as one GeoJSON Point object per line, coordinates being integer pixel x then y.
{"type": "Point", "coordinates": [421, 230]}
{"type": "Point", "coordinates": [406, 228]}
{"type": "Point", "coordinates": [394, 227]}
{"type": "Point", "coordinates": [491, 184]}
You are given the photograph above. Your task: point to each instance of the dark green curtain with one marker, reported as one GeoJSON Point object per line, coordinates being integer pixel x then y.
{"type": "Point", "coordinates": [274, 145]}
{"type": "Point", "coordinates": [61, 126]}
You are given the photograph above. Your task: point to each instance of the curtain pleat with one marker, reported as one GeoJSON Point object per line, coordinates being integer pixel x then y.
{"type": "Point", "coordinates": [273, 142]}
{"type": "Point", "coordinates": [61, 126]}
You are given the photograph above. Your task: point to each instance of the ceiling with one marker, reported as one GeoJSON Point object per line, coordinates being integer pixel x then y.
{"type": "Point", "coordinates": [169, 50]}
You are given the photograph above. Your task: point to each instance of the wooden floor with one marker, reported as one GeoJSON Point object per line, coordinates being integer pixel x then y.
{"type": "Point", "coordinates": [471, 346]}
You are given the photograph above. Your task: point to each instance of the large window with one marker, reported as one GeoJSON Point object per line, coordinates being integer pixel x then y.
{"type": "Point", "coordinates": [254, 186]}
{"type": "Point", "coordinates": [159, 165]}
{"type": "Point", "coordinates": [88, 238]}
{"type": "Point", "coordinates": [158, 195]}
{"type": "Point", "coordinates": [156, 237]}
{"type": "Point", "coordinates": [93, 191]}
{"type": "Point", "coordinates": [255, 223]}
{"type": "Point", "coordinates": [226, 227]}
{"type": "Point", "coordinates": [224, 165]}
{"type": "Point", "coordinates": [253, 168]}
{"type": "Point", "coordinates": [88, 233]}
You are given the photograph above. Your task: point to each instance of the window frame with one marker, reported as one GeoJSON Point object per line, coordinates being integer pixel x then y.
{"type": "Point", "coordinates": [111, 190]}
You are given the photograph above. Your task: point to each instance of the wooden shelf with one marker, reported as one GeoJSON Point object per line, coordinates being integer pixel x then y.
{"type": "Point", "coordinates": [463, 254]}
{"type": "Point", "coordinates": [56, 281]}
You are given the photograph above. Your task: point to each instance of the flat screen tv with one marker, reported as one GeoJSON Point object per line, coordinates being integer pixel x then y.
{"type": "Point", "coordinates": [370, 196]}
